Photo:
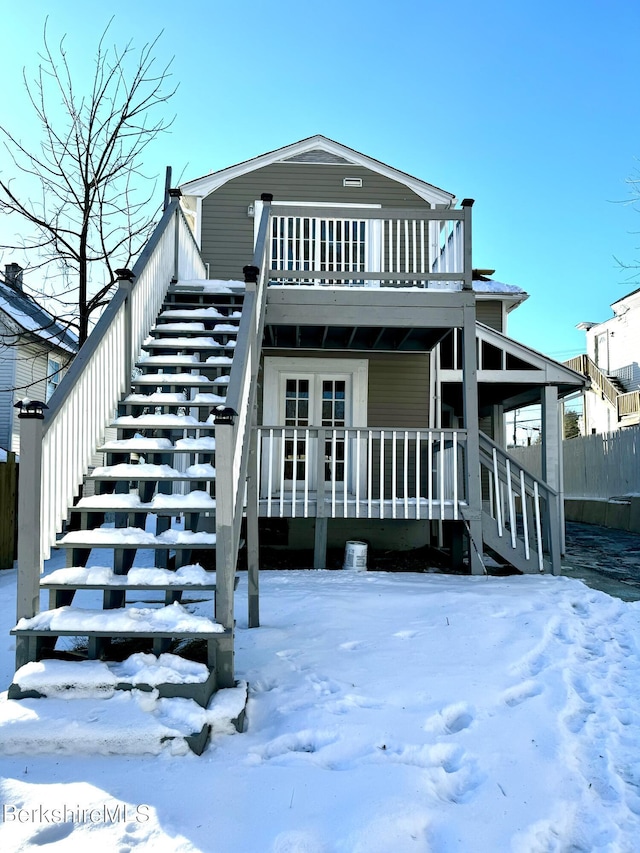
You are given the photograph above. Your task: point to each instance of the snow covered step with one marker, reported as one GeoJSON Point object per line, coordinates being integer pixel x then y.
{"type": "Point", "coordinates": [172, 621]}
{"type": "Point", "coordinates": [129, 723]}
{"type": "Point", "coordinates": [103, 577]}
{"type": "Point", "coordinates": [140, 444]}
{"type": "Point", "coordinates": [173, 399]}
{"type": "Point", "coordinates": [135, 537]}
{"type": "Point", "coordinates": [195, 344]}
{"type": "Point", "coordinates": [186, 327]}
{"type": "Point", "coordinates": [162, 421]}
{"type": "Point", "coordinates": [169, 674]}
{"type": "Point", "coordinates": [184, 380]}
{"type": "Point", "coordinates": [161, 504]}
{"type": "Point", "coordinates": [183, 360]}
{"type": "Point", "coordinates": [209, 313]}
{"type": "Point", "coordinates": [148, 471]}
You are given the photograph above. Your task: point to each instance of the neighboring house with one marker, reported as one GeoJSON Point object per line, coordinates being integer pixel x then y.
{"type": "Point", "coordinates": [611, 363]}
{"type": "Point", "coordinates": [353, 386]}
{"type": "Point", "coordinates": [35, 350]}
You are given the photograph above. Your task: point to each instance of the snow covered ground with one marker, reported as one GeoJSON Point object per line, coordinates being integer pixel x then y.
{"type": "Point", "coordinates": [387, 713]}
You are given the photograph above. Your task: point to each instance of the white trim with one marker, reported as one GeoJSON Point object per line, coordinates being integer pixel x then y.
{"type": "Point", "coordinates": [207, 184]}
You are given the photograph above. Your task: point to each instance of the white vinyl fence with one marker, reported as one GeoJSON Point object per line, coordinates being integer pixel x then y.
{"type": "Point", "coordinates": [595, 466]}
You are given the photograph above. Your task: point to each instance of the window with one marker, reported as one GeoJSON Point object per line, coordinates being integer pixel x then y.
{"type": "Point", "coordinates": [54, 376]}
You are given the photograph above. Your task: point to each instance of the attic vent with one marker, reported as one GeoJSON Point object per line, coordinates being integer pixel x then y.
{"type": "Point", "coordinates": [352, 182]}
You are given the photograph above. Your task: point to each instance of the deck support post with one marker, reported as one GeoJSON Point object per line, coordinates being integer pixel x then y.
{"type": "Point", "coordinates": [253, 533]}
{"type": "Point", "coordinates": [472, 425]}
{"type": "Point", "coordinates": [551, 438]}
{"type": "Point", "coordinates": [225, 557]}
{"type": "Point", "coordinates": [29, 545]}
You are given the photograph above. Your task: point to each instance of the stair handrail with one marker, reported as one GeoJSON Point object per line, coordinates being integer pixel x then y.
{"type": "Point", "coordinates": [234, 436]}
{"type": "Point", "coordinates": [507, 470]}
{"type": "Point", "coordinates": [585, 365]}
{"type": "Point", "coordinates": [62, 444]}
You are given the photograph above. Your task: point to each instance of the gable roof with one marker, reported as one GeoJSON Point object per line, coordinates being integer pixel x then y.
{"type": "Point", "coordinates": [321, 150]}
{"type": "Point", "coordinates": [23, 310]}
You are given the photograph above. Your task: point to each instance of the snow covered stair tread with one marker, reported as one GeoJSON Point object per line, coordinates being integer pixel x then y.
{"type": "Point", "coordinates": [195, 501]}
{"type": "Point", "coordinates": [142, 444]}
{"type": "Point", "coordinates": [192, 576]}
{"type": "Point", "coordinates": [149, 471]}
{"type": "Point", "coordinates": [173, 620]}
{"type": "Point", "coordinates": [128, 723]}
{"type": "Point", "coordinates": [135, 537]}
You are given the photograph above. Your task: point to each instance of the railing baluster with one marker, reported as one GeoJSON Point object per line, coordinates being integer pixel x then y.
{"type": "Point", "coordinates": [441, 459]}
{"type": "Point", "coordinates": [394, 472]}
{"type": "Point", "coordinates": [455, 475]}
{"type": "Point", "coordinates": [381, 473]}
{"type": "Point", "coordinates": [307, 466]}
{"type": "Point", "coordinates": [430, 475]}
{"type": "Point", "coordinates": [498, 493]}
{"type": "Point", "coordinates": [345, 475]}
{"type": "Point", "coordinates": [282, 464]}
{"type": "Point", "coordinates": [333, 473]}
{"type": "Point", "coordinates": [406, 474]}
{"type": "Point", "coordinates": [369, 471]}
{"type": "Point", "coordinates": [536, 499]}
{"type": "Point", "coordinates": [418, 489]}
{"type": "Point", "coordinates": [358, 453]}
{"type": "Point", "coordinates": [525, 520]}
{"type": "Point", "coordinates": [512, 512]}
{"type": "Point", "coordinates": [294, 480]}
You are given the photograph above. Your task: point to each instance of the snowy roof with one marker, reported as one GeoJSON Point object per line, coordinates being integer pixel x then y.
{"type": "Point", "coordinates": [33, 318]}
{"type": "Point", "coordinates": [324, 150]}
{"type": "Point", "coordinates": [509, 293]}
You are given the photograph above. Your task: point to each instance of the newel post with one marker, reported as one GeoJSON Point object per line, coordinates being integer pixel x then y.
{"type": "Point", "coordinates": [31, 415]}
{"type": "Point", "coordinates": [176, 193]}
{"type": "Point", "coordinates": [124, 278]}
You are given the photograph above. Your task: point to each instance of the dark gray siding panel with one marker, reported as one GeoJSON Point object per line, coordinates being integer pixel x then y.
{"type": "Point", "coordinates": [399, 391]}
{"type": "Point", "coordinates": [489, 312]}
{"type": "Point", "coordinates": [227, 231]}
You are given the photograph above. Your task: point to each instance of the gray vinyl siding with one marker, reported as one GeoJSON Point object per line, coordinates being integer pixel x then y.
{"type": "Point", "coordinates": [7, 381]}
{"type": "Point", "coordinates": [398, 391]}
{"type": "Point", "coordinates": [31, 378]}
{"type": "Point", "coordinates": [227, 231]}
{"type": "Point", "coordinates": [489, 312]}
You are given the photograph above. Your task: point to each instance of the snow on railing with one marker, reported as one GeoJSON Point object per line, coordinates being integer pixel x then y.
{"type": "Point", "coordinates": [383, 246]}
{"type": "Point", "coordinates": [361, 472]}
{"type": "Point", "coordinates": [86, 399]}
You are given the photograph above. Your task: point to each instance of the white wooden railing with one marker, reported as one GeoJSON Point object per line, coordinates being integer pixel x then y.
{"type": "Point", "coordinates": [361, 472]}
{"type": "Point", "coordinates": [86, 399]}
{"type": "Point", "coordinates": [523, 508]}
{"type": "Point", "coordinates": [396, 247]}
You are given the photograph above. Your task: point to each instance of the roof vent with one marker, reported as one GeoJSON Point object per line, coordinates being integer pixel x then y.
{"type": "Point", "coordinates": [352, 182]}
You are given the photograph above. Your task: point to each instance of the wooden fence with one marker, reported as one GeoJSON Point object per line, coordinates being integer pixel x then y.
{"type": "Point", "coordinates": [8, 511]}
{"type": "Point", "coordinates": [595, 466]}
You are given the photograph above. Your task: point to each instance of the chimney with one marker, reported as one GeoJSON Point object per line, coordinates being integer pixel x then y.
{"type": "Point", "coordinates": [13, 275]}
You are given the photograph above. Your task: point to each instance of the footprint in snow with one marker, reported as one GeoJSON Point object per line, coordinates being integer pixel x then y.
{"type": "Point", "coordinates": [52, 833]}
{"type": "Point", "coordinates": [405, 635]}
{"type": "Point", "coordinates": [451, 719]}
{"type": "Point", "coordinates": [351, 646]}
{"type": "Point", "coordinates": [521, 692]}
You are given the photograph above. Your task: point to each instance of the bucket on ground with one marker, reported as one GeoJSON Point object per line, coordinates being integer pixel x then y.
{"type": "Point", "coordinates": [355, 557]}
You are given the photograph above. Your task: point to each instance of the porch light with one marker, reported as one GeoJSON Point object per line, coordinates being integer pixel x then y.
{"type": "Point", "coordinates": [251, 210]}
{"type": "Point", "coordinates": [124, 275]}
{"type": "Point", "coordinates": [30, 408]}
{"type": "Point", "coordinates": [175, 193]}
{"type": "Point", "coordinates": [467, 202]}
{"type": "Point", "coordinates": [224, 415]}
{"type": "Point", "coordinates": [250, 274]}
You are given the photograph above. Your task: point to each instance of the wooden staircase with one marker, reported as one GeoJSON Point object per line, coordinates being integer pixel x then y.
{"type": "Point", "coordinates": [156, 492]}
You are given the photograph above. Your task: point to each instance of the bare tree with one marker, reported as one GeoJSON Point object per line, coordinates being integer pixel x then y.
{"type": "Point", "coordinates": [82, 189]}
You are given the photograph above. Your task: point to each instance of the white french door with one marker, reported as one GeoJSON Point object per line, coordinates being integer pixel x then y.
{"type": "Point", "coordinates": [304, 400]}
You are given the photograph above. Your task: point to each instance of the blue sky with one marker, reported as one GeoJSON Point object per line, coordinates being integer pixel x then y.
{"type": "Point", "coordinates": [530, 108]}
